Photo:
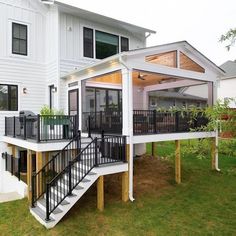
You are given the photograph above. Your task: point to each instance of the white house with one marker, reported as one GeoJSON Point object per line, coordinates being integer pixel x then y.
{"type": "Point", "coordinates": [99, 71]}
{"type": "Point", "coordinates": [227, 84]}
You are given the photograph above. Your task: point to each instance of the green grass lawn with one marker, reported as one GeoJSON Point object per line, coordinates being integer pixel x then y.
{"type": "Point", "coordinates": [204, 204]}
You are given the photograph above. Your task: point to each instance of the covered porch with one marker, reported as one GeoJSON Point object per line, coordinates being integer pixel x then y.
{"type": "Point", "coordinates": [115, 96]}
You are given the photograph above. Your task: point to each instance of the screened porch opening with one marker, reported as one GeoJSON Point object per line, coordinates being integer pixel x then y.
{"type": "Point", "coordinates": [153, 95]}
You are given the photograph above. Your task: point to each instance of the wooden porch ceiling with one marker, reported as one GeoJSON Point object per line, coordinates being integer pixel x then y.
{"type": "Point", "coordinates": [141, 79]}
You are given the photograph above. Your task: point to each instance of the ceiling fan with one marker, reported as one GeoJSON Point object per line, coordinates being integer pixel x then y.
{"type": "Point", "coordinates": [141, 76]}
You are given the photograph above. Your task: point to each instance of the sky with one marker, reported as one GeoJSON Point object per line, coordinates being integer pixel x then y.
{"type": "Point", "coordinates": [200, 22]}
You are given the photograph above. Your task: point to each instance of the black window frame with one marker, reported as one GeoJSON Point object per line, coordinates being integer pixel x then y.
{"type": "Point", "coordinates": [93, 43]}
{"type": "Point", "coordinates": [9, 97]}
{"type": "Point", "coordinates": [90, 54]}
{"type": "Point", "coordinates": [122, 49]}
{"type": "Point", "coordinates": [119, 95]}
{"type": "Point", "coordinates": [20, 39]}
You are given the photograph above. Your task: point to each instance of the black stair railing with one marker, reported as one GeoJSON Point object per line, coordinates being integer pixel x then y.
{"type": "Point", "coordinates": [54, 166]}
{"type": "Point", "coordinates": [62, 185]}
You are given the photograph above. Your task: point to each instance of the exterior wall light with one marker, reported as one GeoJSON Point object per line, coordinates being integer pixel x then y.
{"type": "Point", "coordinates": [54, 89]}
{"type": "Point", "coordinates": [24, 90]}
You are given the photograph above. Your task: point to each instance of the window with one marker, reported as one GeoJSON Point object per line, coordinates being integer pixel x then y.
{"type": "Point", "coordinates": [19, 39]}
{"type": "Point", "coordinates": [88, 42]}
{"type": "Point", "coordinates": [73, 102]}
{"type": "Point", "coordinates": [101, 99]}
{"type": "Point", "coordinates": [8, 97]}
{"type": "Point", "coordinates": [124, 44]}
{"type": "Point", "coordinates": [106, 45]}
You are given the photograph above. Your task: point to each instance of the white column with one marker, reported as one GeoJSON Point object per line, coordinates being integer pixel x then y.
{"type": "Point", "coordinates": [125, 101]}
{"type": "Point", "coordinates": [82, 102]}
{"type": "Point", "coordinates": [127, 116]}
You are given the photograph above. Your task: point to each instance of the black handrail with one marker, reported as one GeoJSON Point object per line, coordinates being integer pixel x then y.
{"type": "Point", "coordinates": [42, 128]}
{"type": "Point", "coordinates": [79, 167]}
{"type": "Point", "coordinates": [155, 122]}
{"type": "Point", "coordinates": [53, 167]}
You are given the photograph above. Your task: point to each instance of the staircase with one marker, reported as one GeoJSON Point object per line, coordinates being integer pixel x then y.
{"type": "Point", "coordinates": [70, 173]}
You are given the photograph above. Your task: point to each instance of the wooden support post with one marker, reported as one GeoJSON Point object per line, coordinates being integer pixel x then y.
{"type": "Point", "coordinates": [154, 144]}
{"type": "Point", "coordinates": [125, 186]}
{"type": "Point", "coordinates": [39, 165]}
{"type": "Point", "coordinates": [29, 175]}
{"type": "Point", "coordinates": [125, 177]}
{"type": "Point", "coordinates": [177, 162]}
{"type": "Point", "coordinates": [213, 154]}
{"type": "Point", "coordinates": [100, 193]}
{"type": "Point", "coordinates": [46, 157]}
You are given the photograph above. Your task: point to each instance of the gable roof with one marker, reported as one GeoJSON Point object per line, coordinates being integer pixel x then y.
{"type": "Point", "coordinates": [151, 50]}
{"type": "Point", "coordinates": [230, 69]}
{"type": "Point", "coordinates": [88, 15]}
{"type": "Point", "coordinates": [177, 44]}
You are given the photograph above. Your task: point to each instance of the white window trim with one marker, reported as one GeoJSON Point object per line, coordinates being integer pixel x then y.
{"type": "Point", "coordinates": [9, 39]}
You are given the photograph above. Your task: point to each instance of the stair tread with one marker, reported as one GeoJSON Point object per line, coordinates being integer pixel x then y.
{"type": "Point", "coordinates": [43, 203]}
{"type": "Point", "coordinates": [41, 214]}
{"type": "Point", "coordinates": [63, 203]}
{"type": "Point", "coordinates": [90, 172]}
{"type": "Point", "coordinates": [61, 189]}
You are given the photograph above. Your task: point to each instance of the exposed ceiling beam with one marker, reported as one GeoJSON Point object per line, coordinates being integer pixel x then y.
{"type": "Point", "coordinates": [176, 84]}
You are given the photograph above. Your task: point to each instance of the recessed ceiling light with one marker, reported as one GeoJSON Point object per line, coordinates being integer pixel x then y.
{"type": "Point", "coordinates": [49, 2]}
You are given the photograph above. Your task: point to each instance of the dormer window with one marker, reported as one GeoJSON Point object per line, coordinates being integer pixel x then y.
{"type": "Point", "coordinates": [99, 45]}
{"type": "Point", "coordinates": [19, 39]}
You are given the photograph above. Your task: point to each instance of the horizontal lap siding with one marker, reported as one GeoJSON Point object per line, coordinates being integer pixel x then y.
{"type": "Point", "coordinates": [28, 72]}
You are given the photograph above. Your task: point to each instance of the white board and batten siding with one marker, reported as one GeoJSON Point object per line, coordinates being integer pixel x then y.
{"type": "Point", "coordinates": [71, 46]}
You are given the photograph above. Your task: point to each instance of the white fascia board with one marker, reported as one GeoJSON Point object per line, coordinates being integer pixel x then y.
{"type": "Point", "coordinates": [176, 84]}
{"type": "Point", "coordinates": [164, 70]}
{"type": "Point", "coordinates": [92, 71]}
{"type": "Point", "coordinates": [137, 139]}
{"type": "Point", "coordinates": [37, 147]}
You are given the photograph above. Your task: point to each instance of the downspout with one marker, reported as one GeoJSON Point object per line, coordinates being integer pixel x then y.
{"type": "Point", "coordinates": [131, 198]}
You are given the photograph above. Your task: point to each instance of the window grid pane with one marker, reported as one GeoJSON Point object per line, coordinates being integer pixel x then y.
{"type": "Point", "coordinates": [124, 44]}
{"type": "Point", "coordinates": [19, 39]}
{"type": "Point", "coordinates": [88, 42]}
{"type": "Point", "coordinates": [8, 97]}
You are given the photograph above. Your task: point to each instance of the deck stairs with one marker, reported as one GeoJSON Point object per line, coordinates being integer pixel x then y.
{"type": "Point", "coordinates": [66, 188]}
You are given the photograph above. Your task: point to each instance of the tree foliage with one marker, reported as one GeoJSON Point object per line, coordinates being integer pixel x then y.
{"type": "Point", "coordinates": [229, 37]}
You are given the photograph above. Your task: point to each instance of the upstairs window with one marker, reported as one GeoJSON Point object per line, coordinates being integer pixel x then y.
{"type": "Point", "coordinates": [88, 42]}
{"type": "Point", "coordinates": [8, 97]}
{"type": "Point", "coordinates": [124, 44]}
{"type": "Point", "coordinates": [99, 45]}
{"type": "Point", "coordinates": [106, 45]}
{"type": "Point", "coordinates": [19, 39]}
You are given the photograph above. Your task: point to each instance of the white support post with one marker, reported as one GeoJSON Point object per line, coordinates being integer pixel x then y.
{"type": "Point", "coordinates": [82, 102]}
{"type": "Point", "coordinates": [125, 101]}
{"type": "Point", "coordinates": [127, 111]}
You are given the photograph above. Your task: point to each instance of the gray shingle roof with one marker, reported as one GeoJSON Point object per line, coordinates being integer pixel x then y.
{"type": "Point", "coordinates": [230, 68]}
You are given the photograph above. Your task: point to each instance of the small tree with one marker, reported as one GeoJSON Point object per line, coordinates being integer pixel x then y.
{"type": "Point", "coordinates": [229, 37]}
